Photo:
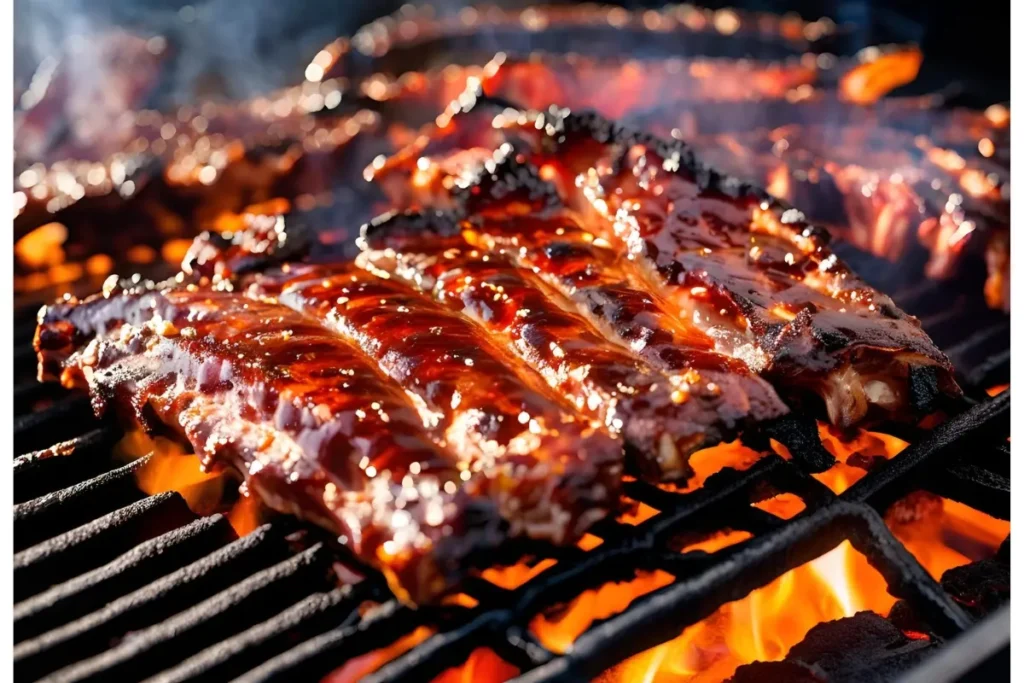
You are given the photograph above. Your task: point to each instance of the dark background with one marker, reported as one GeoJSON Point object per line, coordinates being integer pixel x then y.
{"type": "Point", "coordinates": [239, 47]}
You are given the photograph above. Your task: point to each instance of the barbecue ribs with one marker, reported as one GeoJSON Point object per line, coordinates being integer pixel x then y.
{"type": "Point", "coordinates": [737, 265]}
{"type": "Point", "coordinates": [317, 430]}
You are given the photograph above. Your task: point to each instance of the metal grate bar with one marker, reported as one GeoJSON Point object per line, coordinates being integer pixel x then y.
{"type": "Point", "coordinates": [141, 565]}
{"type": "Point", "coordinates": [973, 486]}
{"type": "Point", "coordinates": [306, 619]}
{"type": "Point", "coordinates": [64, 464]}
{"type": "Point", "coordinates": [159, 600]}
{"type": "Point", "coordinates": [662, 615]}
{"type": "Point", "coordinates": [313, 658]}
{"type": "Point", "coordinates": [63, 420]}
{"type": "Point", "coordinates": [886, 485]}
{"type": "Point", "coordinates": [31, 392]}
{"type": "Point", "coordinates": [230, 611]}
{"type": "Point", "coordinates": [54, 513]}
{"type": "Point", "coordinates": [90, 545]}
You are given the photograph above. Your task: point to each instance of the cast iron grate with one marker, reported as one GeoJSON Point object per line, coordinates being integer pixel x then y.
{"type": "Point", "coordinates": [113, 585]}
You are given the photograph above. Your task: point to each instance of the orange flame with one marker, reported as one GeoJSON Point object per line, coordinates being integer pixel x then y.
{"type": "Point", "coordinates": [852, 451]}
{"type": "Point", "coordinates": [997, 389]}
{"type": "Point", "coordinates": [877, 75]}
{"type": "Point", "coordinates": [516, 575]}
{"type": "Point", "coordinates": [357, 668]}
{"type": "Point", "coordinates": [172, 468]}
{"type": "Point", "coordinates": [483, 665]}
{"type": "Point", "coordinates": [942, 533]}
{"type": "Point", "coordinates": [42, 247]}
{"type": "Point", "coordinates": [246, 514]}
{"type": "Point", "coordinates": [764, 625]}
{"type": "Point", "coordinates": [557, 632]}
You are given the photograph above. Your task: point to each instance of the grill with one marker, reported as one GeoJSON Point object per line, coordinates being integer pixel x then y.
{"type": "Point", "coordinates": [111, 584]}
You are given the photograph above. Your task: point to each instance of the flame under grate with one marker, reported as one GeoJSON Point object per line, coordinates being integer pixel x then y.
{"type": "Point", "coordinates": [113, 584]}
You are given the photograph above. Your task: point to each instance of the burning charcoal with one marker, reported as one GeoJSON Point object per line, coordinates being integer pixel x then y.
{"type": "Point", "coordinates": [863, 647]}
{"type": "Point", "coordinates": [866, 462]}
{"type": "Point", "coordinates": [914, 514]}
{"type": "Point", "coordinates": [906, 618]}
{"type": "Point", "coordinates": [979, 587]}
{"type": "Point", "coordinates": [778, 672]}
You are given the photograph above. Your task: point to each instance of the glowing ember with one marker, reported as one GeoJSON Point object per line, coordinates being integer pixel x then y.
{"type": "Point", "coordinates": [717, 541]}
{"type": "Point", "coordinates": [878, 75]}
{"type": "Point", "coordinates": [638, 512]}
{"type": "Point", "coordinates": [712, 460]}
{"type": "Point", "coordinates": [355, 669]}
{"type": "Point", "coordinates": [172, 468]}
{"type": "Point", "coordinates": [942, 533]}
{"type": "Point", "coordinates": [784, 506]}
{"type": "Point", "coordinates": [483, 665]}
{"type": "Point", "coordinates": [42, 246]}
{"type": "Point", "coordinates": [557, 632]}
{"type": "Point", "coordinates": [246, 515]}
{"type": "Point", "coordinates": [856, 455]}
{"type": "Point", "coordinates": [764, 625]}
{"type": "Point", "coordinates": [516, 575]}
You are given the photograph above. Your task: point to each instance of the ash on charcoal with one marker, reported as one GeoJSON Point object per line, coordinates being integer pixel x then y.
{"type": "Point", "coordinates": [864, 647]}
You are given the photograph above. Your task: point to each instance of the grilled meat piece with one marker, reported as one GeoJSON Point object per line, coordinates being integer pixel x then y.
{"type": "Point", "coordinates": [478, 399]}
{"type": "Point", "coordinates": [747, 268]}
{"type": "Point", "coordinates": [748, 272]}
{"type": "Point", "coordinates": [878, 187]}
{"type": "Point", "coordinates": [663, 417]}
{"type": "Point", "coordinates": [317, 431]}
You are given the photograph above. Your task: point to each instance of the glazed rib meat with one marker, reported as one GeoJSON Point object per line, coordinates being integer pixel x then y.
{"type": "Point", "coordinates": [318, 431]}
{"type": "Point", "coordinates": [662, 416]}
{"type": "Point", "coordinates": [747, 272]}
{"type": "Point", "coordinates": [746, 268]}
{"type": "Point", "coordinates": [478, 399]}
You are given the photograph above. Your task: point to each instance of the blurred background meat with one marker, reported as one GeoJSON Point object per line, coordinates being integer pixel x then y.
{"type": "Point", "coordinates": [140, 124]}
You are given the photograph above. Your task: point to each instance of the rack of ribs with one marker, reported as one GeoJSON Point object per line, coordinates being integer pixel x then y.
{"type": "Point", "coordinates": [580, 297]}
{"type": "Point", "coordinates": [743, 268]}
{"type": "Point", "coordinates": [412, 437]}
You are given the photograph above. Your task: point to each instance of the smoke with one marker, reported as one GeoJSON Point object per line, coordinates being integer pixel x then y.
{"type": "Point", "coordinates": [215, 48]}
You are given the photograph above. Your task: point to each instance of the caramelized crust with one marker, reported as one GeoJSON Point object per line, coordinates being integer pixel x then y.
{"type": "Point", "coordinates": [478, 400]}
{"type": "Point", "coordinates": [689, 398]}
{"type": "Point", "coordinates": [317, 431]}
{"type": "Point", "coordinates": [744, 271]}
{"type": "Point", "coordinates": [722, 251]}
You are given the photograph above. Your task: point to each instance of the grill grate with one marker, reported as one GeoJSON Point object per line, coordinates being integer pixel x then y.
{"type": "Point", "coordinates": [113, 585]}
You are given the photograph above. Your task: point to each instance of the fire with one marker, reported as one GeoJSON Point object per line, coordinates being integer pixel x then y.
{"type": "Point", "coordinates": [42, 247]}
{"type": "Point", "coordinates": [856, 455]}
{"type": "Point", "coordinates": [764, 625]}
{"type": "Point", "coordinates": [557, 632]}
{"type": "Point", "coordinates": [516, 575]}
{"type": "Point", "coordinates": [172, 468]}
{"type": "Point", "coordinates": [246, 514]}
{"type": "Point", "coordinates": [712, 460]}
{"type": "Point", "coordinates": [942, 534]}
{"type": "Point", "coordinates": [482, 665]}
{"type": "Point", "coordinates": [784, 506]}
{"type": "Point", "coordinates": [997, 389]}
{"type": "Point", "coordinates": [355, 669]}
{"type": "Point", "coordinates": [878, 74]}
{"type": "Point", "coordinates": [637, 512]}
